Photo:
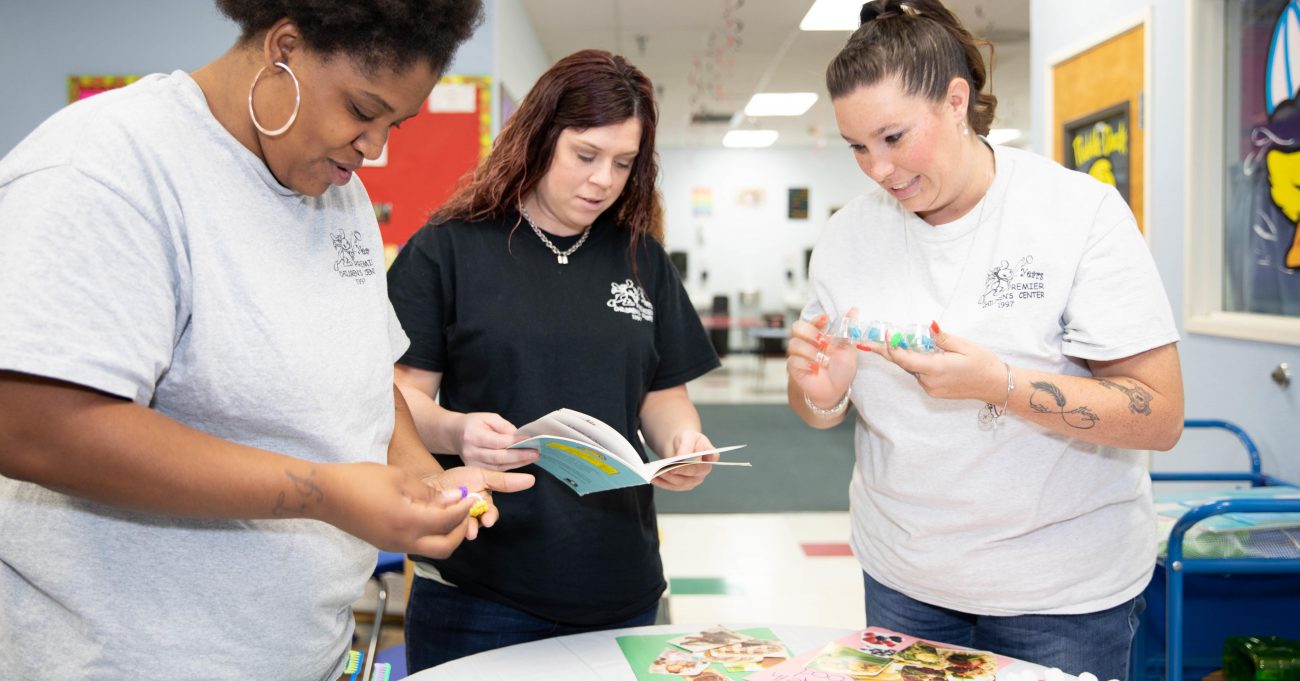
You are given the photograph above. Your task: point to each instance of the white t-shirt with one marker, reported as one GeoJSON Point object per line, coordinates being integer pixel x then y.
{"type": "Point", "coordinates": [151, 256]}
{"type": "Point", "coordinates": [1047, 271]}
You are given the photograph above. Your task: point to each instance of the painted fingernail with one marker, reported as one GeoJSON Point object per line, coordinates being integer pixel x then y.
{"type": "Point", "coordinates": [934, 328]}
{"type": "Point", "coordinates": [864, 348]}
{"type": "Point", "coordinates": [813, 367]}
{"type": "Point", "coordinates": [821, 319]}
{"type": "Point", "coordinates": [823, 342]}
{"type": "Point", "coordinates": [464, 491]}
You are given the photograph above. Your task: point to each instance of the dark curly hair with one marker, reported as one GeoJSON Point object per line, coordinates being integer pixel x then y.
{"type": "Point", "coordinates": [587, 89]}
{"type": "Point", "coordinates": [922, 43]}
{"type": "Point", "coordinates": [390, 34]}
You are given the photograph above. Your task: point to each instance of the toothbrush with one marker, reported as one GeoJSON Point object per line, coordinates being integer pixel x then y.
{"type": "Point", "coordinates": [381, 671]}
{"type": "Point", "coordinates": [353, 666]}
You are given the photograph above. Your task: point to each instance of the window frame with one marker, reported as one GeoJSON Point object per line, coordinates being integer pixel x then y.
{"type": "Point", "coordinates": [1205, 223]}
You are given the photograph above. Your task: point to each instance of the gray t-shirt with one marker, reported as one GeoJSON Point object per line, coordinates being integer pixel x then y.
{"type": "Point", "coordinates": [1047, 271]}
{"type": "Point", "coordinates": [149, 255]}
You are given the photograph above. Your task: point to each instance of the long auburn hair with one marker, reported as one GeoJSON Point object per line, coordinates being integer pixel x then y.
{"type": "Point", "coordinates": [922, 43]}
{"type": "Point", "coordinates": [587, 89]}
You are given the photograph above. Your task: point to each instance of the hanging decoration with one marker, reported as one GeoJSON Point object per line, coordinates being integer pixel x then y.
{"type": "Point", "coordinates": [712, 69]}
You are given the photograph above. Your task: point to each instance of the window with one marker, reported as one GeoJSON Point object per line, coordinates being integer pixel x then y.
{"type": "Point", "coordinates": [1243, 190]}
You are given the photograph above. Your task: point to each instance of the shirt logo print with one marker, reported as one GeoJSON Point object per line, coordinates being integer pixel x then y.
{"type": "Point", "coordinates": [353, 261]}
{"type": "Point", "coordinates": [629, 298]}
{"type": "Point", "coordinates": [1004, 284]}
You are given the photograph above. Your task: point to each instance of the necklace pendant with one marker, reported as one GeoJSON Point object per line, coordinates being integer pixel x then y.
{"type": "Point", "coordinates": [562, 258]}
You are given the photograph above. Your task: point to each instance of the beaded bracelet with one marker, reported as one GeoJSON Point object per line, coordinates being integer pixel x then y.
{"type": "Point", "coordinates": [833, 411]}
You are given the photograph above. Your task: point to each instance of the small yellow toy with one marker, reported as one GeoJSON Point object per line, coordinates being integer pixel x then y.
{"type": "Point", "coordinates": [480, 506]}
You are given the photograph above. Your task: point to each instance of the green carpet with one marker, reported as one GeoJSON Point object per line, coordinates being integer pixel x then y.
{"type": "Point", "coordinates": [795, 467]}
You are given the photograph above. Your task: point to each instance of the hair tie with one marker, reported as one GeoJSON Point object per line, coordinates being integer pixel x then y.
{"type": "Point", "coordinates": [871, 13]}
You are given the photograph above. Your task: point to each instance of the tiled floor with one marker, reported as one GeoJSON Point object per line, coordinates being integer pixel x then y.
{"type": "Point", "coordinates": [754, 568]}
{"type": "Point", "coordinates": [792, 568]}
{"type": "Point", "coordinates": [763, 568]}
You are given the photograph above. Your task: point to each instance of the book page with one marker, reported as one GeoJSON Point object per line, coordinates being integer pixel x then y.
{"type": "Point", "coordinates": [656, 468]}
{"type": "Point", "coordinates": [597, 432]}
{"type": "Point", "coordinates": [552, 425]}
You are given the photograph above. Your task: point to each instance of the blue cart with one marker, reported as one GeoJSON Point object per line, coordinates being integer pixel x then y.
{"type": "Point", "coordinates": [1194, 601]}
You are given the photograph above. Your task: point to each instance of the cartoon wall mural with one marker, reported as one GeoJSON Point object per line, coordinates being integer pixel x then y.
{"type": "Point", "coordinates": [1262, 242]}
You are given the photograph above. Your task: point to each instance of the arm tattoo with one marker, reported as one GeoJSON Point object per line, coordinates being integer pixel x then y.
{"type": "Point", "coordinates": [1079, 417]}
{"type": "Point", "coordinates": [1139, 400]}
{"type": "Point", "coordinates": [307, 492]}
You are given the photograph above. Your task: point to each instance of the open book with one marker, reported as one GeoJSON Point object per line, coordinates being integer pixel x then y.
{"type": "Point", "coordinates": [590, 456]}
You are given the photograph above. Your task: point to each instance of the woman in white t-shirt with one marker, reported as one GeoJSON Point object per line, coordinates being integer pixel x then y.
{"type": "Point", "coordinates": [996, 501]}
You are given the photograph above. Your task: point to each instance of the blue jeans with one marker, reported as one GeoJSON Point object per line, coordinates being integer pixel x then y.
{"type": "Point", "coordinates": [444, 623]}
{"type": "Point", "coordinates": [1097, 642]}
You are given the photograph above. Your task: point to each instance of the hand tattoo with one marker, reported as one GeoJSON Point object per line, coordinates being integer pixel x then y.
{"type": "Point", "coordinates": [1079, 417]}
{"type": "Point", "coordinates": [1139, 400]}
{"type": "Point", "coordinates": [307, 492]}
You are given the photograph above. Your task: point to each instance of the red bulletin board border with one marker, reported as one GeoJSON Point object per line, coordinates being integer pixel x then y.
{"type": "Point", "coordinates": [427, 159]}
{"type": "Point", "coordinates": [81, 87]}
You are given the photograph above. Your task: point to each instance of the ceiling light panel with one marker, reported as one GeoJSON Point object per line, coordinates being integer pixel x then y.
{"type": "Point", "coordinates": [832, 15]}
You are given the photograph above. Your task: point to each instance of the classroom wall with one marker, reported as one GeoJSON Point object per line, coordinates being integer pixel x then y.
{"type": "Point", "coordinates": [42, 43]}
{"type": "Point", "coordinates": [1224, 378]}
{"type": "Point", "coordinates": [748, 248]}
{"type": "Point", "coordinates": [519, 57]}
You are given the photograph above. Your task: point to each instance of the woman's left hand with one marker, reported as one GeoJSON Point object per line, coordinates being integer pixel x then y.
{"type": "Point", "coordinates": [683, 478]}
{"type": "Point", "coordinates": [964, 370]}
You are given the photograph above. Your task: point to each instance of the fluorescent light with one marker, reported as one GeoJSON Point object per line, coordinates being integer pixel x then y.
{"type": "Point", "coordinates": [832, 15]}
{"type": "Point", "coordinates": [1003, 135]}
{"type": "Point", "coordinates": [749, 138]}
{"type": "Point", "coordinates": [780, 103]}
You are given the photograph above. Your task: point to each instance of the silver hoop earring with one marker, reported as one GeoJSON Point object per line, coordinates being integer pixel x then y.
{"type": "Point", "coordinates": [297, 102]}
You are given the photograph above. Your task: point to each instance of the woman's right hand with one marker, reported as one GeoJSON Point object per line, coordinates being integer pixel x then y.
{"type": "Point", "coordinates": [395, 511]}
{"type": "Point", "coordinates": [820, 366]}
{"type": "Point", "coordinates": [484, 438]}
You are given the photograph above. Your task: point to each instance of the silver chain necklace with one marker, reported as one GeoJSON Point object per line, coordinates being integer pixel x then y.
{"type": "Point", "coordinates": [561, 257]}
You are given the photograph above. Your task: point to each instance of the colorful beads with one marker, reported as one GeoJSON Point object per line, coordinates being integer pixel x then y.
{"type": "Point", "coordinates": [910, 336]}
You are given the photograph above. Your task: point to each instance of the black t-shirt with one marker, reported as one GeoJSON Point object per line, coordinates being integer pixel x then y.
{"type": "Point", "coordinates": [514, 332]}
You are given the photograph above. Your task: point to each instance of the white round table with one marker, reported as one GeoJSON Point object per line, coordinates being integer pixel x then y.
{"type": "Point", "coordinates": [593, 656]}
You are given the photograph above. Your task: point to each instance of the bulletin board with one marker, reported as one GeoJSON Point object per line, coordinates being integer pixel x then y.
{"type": "Point", "coordinates": [1095, 87]}
{"type": "Point", "coordinates": [427, 158]}
{"type": "Point", "coordinates": [81, 87]}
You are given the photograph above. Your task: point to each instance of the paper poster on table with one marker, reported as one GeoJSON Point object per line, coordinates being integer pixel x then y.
{"type": "Point", "coordinates": [712, 654]}
{"type": "Point", "coordinates": [876, 654]}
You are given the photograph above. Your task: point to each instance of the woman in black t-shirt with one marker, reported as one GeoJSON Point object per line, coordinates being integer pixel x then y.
{"type": "Point", "coordinates": [543, 284]}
